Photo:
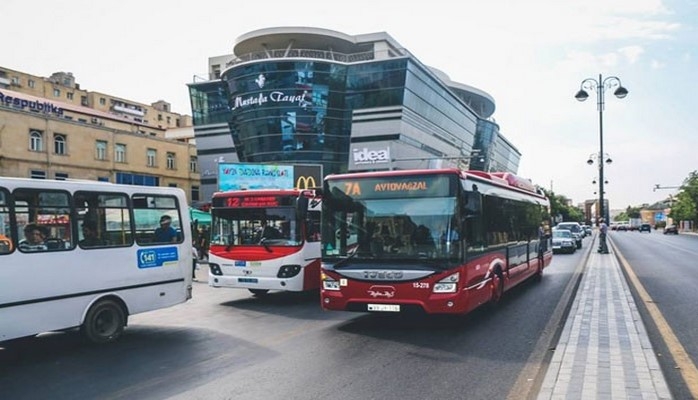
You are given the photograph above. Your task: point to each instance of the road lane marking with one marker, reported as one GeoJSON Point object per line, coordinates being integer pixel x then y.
{"type": "Point", "coordinates": [686, 367]}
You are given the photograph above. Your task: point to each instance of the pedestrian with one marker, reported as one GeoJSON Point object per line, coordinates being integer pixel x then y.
{"type": "Point", "coordinates": [202, 242]}
{"type": "Point", "coordinates": [195, 260]}
{"type": "Point", "coordinates": [603, 230]}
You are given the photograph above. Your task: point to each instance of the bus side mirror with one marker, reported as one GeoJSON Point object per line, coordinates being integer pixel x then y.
{"type": "Point", "coordinates": [302, 206]}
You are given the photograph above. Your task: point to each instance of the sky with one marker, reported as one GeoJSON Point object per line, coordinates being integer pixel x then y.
{"type": "Point", "coordinates": [530, 56]}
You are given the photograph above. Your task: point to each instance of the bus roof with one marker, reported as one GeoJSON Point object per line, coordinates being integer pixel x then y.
{"type": "Point", "coordinates": [503, 179]}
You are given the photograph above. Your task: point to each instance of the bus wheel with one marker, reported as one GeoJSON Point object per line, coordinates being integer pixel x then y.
{"type": "Point", "coordinates": [104, 322]}
{"type": "Point", "coordinates": [259, 292]}
{"type": "Point", "coordinates": [497, 289]}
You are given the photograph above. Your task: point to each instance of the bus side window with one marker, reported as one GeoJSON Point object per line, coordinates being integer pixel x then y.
{"type": "Point", "coordinates": [149, 211]}
{"type": "Point", "coordinates": [49, 212]}
{"type": "Point", "coordinates": [6, 245]}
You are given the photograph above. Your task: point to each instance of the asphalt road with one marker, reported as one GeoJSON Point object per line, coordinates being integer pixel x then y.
{"type": "Point", "coordinates": [227, 344]}
{"type": "Point", "coordinates": [666, 269]}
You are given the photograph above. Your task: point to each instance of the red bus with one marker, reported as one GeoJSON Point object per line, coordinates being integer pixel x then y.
{"type": "Point", "coordinates": [265, 239]}
{"type": "Point", "coordinates": [442, 241]}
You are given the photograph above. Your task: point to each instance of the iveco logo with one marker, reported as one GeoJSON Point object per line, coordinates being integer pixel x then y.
{"type": "Point", "coordinates": [383, 275]}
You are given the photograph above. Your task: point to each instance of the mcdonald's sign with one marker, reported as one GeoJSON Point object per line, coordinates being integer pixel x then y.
{"type": "Point", "coordinates": [307, 176]}
{"type": "Point", "coordinates": [305, 182]}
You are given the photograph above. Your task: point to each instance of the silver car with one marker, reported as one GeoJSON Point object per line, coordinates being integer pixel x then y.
{"type": "Point", "coordinates": [563, 241]}
{"type": "Point", "coordinates": [576, 230]}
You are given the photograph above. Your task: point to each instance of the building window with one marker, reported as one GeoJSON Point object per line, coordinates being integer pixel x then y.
{"type": "Point", "coordinates": [56, 92]}
{"type": "Point", "coordinates": [150, 156]}
{"type": "Point", "coordinates": [171, 160]}
{"type": "Point", "coordinates": [69, 95]}
{"type": "Point", "coordinates": [36, 141]}
{"type": "Point", "coordinates": [101, 150]}
{"type": "Point", "coordinates": [61, 176]}
{"type": "Point", "coordinates": [83, 100]}
{"type": "Point", "coordinates": [194, 193]}
{"type": "Point", "coordinates": [120, 153]}
{"type": "Point", "coordinates": [172, 185]}
{"type": "Point", "coordinates": [102, 101]}
{"type": "Point", "coordinates": [31, 83]}
{"type": "Point", "coordinates": [193, 163]}
{"type": "Point", "coordinates": [36, 174]}
{"type": "Point", "coordinates": [103, 179]}
{"type": "Point", "coordinates": [168, 120]}
{"type": "Point", "coordinates": [59, 143]}
{"type": "Point", "coordinates": [137, 179]}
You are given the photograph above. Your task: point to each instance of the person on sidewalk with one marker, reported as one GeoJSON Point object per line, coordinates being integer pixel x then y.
{"type": "Point", "coordinates": [603, 230]}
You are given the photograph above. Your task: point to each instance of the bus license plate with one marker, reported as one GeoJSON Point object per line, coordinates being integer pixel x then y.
{"type": "Point", "coordinates": [384, 307]}
{"type": "Point", "coordinates": [247, 280]}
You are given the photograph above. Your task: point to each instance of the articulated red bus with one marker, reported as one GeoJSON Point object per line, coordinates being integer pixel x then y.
{"type": "Point", "coordinates": [267, 239]}
{"type": "Point", "coordinates": [442, 241]}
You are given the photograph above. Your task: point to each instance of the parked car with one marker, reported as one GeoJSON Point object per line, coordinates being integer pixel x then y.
{"type": "Point", "coordinates": [587, 229]}
{"type": "Point", "coordinates": [645, 228]}
{"type": "Point", "coordinates": [563, 241]}
{"type": "Point", "coordinates": [671, 229]}
{"type": "Point", "coordinates": [576, 230]}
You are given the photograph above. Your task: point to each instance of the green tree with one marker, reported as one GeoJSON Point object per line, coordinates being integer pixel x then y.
{"type": "Point", "coordinates": [685, 205]}
{"type": "Point", "coordinates": [559, 208]}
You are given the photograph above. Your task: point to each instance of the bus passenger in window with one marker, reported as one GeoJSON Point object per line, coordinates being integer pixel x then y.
{"type": "Point", "coordinates": [90, 235]}
{"type": "Point", "coordinates": [165, 233]}
{"type": "Point", "coordinates": [34, 238]}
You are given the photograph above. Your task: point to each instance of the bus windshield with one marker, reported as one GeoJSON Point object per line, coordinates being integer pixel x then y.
{"type": "Point", "coordinates": [275, 226]}
{"type": "Point", "coordinates": [404, 228]}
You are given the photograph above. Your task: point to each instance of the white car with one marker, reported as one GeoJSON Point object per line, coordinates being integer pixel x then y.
{"type": "Point", "coordinates": [563, 241]}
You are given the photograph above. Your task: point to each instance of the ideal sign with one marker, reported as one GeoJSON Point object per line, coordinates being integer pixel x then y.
{"type": "Point", "coordinates": [368, 156]}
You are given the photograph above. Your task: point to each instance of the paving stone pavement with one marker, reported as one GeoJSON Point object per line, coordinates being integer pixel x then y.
{"type": "Point", "coordinates": [604, 351]}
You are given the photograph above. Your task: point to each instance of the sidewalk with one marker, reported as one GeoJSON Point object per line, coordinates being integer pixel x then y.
{"type": "Point", "coordinates": [604, 351]}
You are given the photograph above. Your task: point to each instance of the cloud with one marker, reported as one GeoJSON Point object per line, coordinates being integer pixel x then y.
{"type": "Point", "coordinates": [631, 53]}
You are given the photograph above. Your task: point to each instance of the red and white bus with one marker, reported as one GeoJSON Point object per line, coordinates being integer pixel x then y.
{"type": "Point", "coordinates": [266, 239]}
{"type": "Point", "coordinates": [441, 241]}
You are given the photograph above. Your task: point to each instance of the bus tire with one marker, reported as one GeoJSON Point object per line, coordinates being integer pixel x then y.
{"type": "Point", "coordinates": [259, 292]}
{"type": "Point", "coordinates": [104, 322]}
{"type": "Point", "coordinates": [497, 289]}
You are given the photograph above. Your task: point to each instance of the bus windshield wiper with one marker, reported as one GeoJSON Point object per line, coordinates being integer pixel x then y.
{"type": "Point", "coordinates": [263, 242]}
{"type": "Point", "coordinates": [348, 257]}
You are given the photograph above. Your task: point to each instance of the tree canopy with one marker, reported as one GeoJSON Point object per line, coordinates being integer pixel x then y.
{"type": "Point", "coordinates": [685, 204]}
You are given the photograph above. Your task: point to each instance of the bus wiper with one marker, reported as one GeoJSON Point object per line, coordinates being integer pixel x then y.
{"type": "Point", "coordinates": [263, 242]}
{"type": "Point", "coordinates": [348, 257]}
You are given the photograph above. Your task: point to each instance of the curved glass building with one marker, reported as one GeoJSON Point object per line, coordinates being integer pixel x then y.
{"type": "Point", "coordinates": [301, 95]}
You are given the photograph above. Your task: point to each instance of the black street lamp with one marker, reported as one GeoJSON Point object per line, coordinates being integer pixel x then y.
{"type": "Point", "coordinates": [600, 86]}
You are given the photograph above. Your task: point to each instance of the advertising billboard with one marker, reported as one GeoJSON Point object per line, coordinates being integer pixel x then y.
{"type": "Point", "coordinates": [240, 176]}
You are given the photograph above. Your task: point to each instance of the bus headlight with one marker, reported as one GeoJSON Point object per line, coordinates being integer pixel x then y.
{"type": "Point", "coordinates": [288, 271]}
{"type": "Point", "coordinates": [448, 284]}
{"type": "Point", "coordinates": [328, 283]}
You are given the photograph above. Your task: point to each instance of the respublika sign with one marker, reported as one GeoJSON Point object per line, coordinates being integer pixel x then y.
{"type": "Point", "coordinates": [33, 105]}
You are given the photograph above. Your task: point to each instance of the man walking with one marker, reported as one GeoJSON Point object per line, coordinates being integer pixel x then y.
{"type": "Point", "coordinates": [603, 230]}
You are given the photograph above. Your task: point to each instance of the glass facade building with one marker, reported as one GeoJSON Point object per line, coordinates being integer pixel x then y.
{"type": "Point", "coordinates": [349, 103]}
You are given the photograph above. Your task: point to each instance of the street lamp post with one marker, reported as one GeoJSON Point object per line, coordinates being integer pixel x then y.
{"type": "Point", "coordinates": [600, 86]}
